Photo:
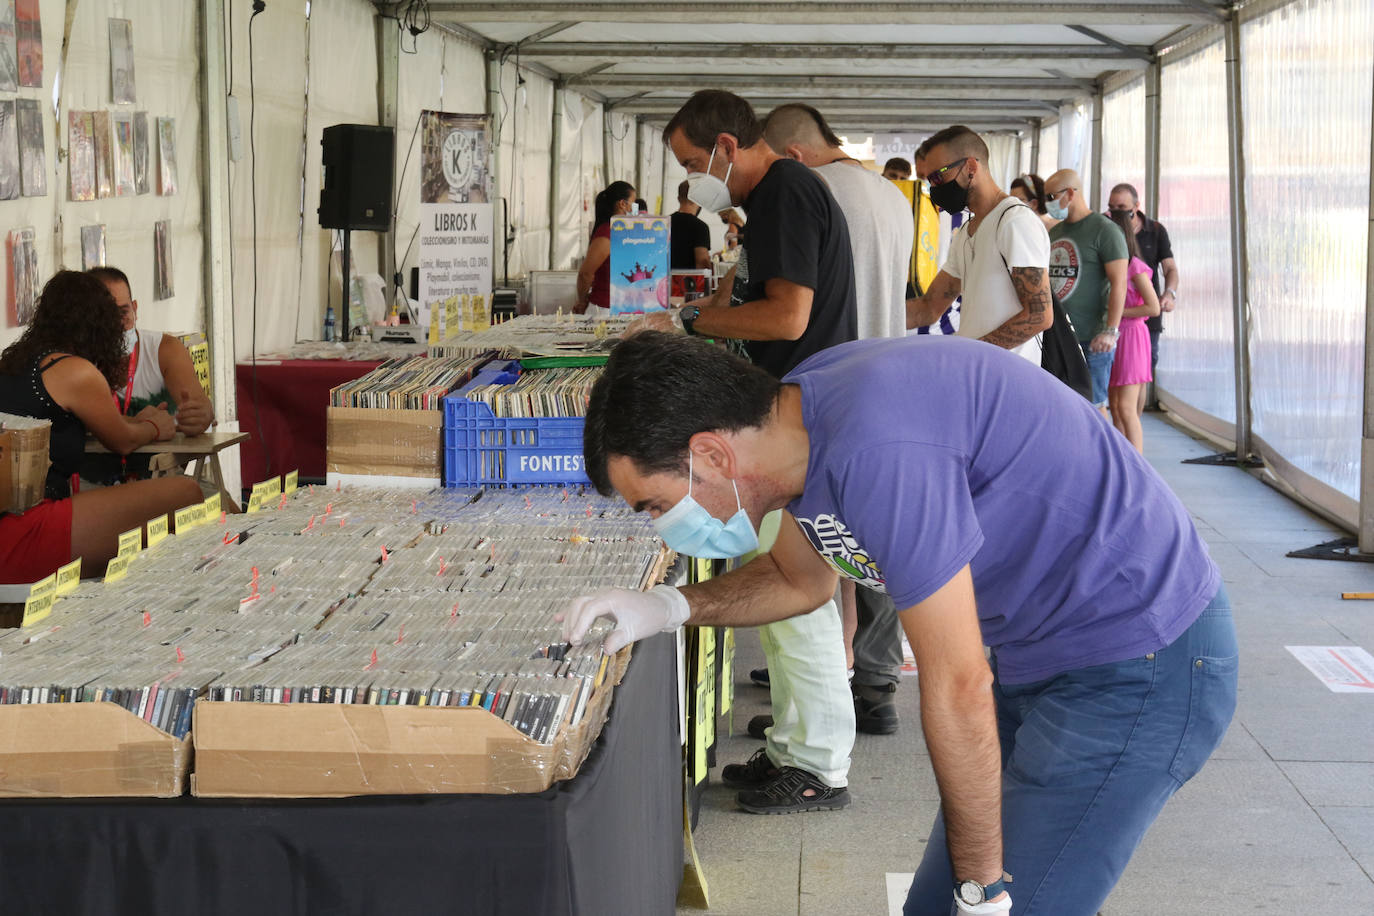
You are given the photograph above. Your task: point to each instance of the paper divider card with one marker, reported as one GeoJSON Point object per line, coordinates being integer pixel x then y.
{"type": "Point", "coordinates": [213, 506]}
{"type": "Point", "coordinates": [118, 569]}
{"type": "Point", "coordinates": [272, 488]}
{"type": "Point", "coordinates": [41, 597]}
{"type": "Point", "coordinates": [69, 577]}
{"type": "Point", "coordinates": [157, 530]}
{"type": "Point", "coordinates": [130, 542]}
{"type": "Point", "coordinates": [198, 515]}
{"type": "Point", "coordinates": [291, 482]}
{"type": "Point", "coordinates": [254, 501]}
{"type": "Point", "coordinates": [186, 518]}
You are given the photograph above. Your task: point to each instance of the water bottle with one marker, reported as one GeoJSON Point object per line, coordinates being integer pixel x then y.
{"type": "Point", "coordinates": [329, 323]}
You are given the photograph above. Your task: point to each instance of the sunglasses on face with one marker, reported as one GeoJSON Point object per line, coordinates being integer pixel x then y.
{"type": "Point", "coordinates": [942, 175]}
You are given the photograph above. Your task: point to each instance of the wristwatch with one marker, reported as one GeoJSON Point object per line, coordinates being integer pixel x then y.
{"type": "Point", "coordinates": [1171, 291]}
{"type": "Point", "coordinates": [972, 893]}
{"type": "Point", "coordinates": [1114, 332]}
{"type": "Point", "coordinates": [689, 314]}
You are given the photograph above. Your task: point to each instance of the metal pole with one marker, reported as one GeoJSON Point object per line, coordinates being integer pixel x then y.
{"type": "Point", "coordinates": [560, 100]}
{"type": "Point", "coordinates": [1035, 147]}
{"type": "Point", "coordinates": [1152, 134]}
{"type": "Point", "coordinates": [218, 278]}
{"type": "Point", "coordinates": [666, 204]}
{"type": "Point", "coordinates": [388, 91]}
{"type": "Point", "coordinates": [1239, 261]}
{"type": "Point", "coordinates": [606, 178]}
{"type": "Point", "coordinates": [639, 156]}
{"type": "Point", "coordinates": [1367, 446]}
{"type": "Point", "coordinates": [1095, 195]}
{"type": "Point", "coordinates": [498, 222]}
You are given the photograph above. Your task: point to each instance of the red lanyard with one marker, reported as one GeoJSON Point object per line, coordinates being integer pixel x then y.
{"type": "Point", "coordinates": [129, 385]}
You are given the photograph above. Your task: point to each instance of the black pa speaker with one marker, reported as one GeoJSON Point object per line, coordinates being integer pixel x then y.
{"type": "Point", "coordinates": [359, 162]}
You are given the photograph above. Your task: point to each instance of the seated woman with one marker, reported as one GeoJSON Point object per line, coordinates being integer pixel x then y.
{"type": "Point", "coordinates": [63, 369]}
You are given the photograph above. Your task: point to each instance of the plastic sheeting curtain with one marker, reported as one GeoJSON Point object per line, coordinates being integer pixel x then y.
{"type": "Point", "coordinates": [620, 148]}
{"type": "Point", "coordinates": [1049, 151]}
{"type": "Point", "coordinates": [1075, 137]}
{"type": "Point", "coordinates": [1196, 362]}
{"type": "Point", "coordinates": [1307, 76]}
{"type": "Point", "coordinates": [1024, 166]}
{"type": "Point", "coordinates": [651, 169]}
{"type": "Point", "coordinates": [1123, 139]}
{"type": "Point", "coordinates": [526, 119]}
{"type": "Point", "coordinates": [578, 165]}
{"type": "Point", "coordinates": [1004, 154]}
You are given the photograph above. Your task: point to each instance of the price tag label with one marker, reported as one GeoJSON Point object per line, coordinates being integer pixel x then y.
{"type": "Point", "coordinates": [39, 603]}
{"type": "Point", "coordinates": [272, 490]}
{"type": "Point", "coordinates": [69, 577]}
{"type": "Point", "coordinates": [118, 569]}
{"type": "Point", "coordinates": [254, 502]}
{"type": "Point", "coordinates": [291, 478]}
{"type": "Point", "coordinates": [130, 542]}
{"type": "Point", "coordinates": [213, 507]}
{"type": "Point", "coordinates": [185, 520]}
{"type": "Point", "coordinates": [198, 516]}
{"type": "Point", "coordinates": [157, 530]}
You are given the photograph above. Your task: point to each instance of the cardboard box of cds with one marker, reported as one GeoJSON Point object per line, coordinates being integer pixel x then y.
{"type": "Point", "coordinates": [385, 443]}
{"type": "Point", "coordinates": [86, 750]}
{"type": "Point", "coordinates": [303, 750]}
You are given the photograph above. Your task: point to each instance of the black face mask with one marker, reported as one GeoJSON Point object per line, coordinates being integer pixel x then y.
{"type": "Point", "coordinates": [1128, 214]}
{"type": "Point", "coordinates": [951, 196]}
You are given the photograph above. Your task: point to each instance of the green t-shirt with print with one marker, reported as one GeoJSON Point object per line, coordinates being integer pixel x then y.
{"type": "Point", "coordinates": [1077, 278]}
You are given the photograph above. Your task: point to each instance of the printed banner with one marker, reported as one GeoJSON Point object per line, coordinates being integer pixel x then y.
{"type": "Point", "coordinates": [639, 264]}
{"type": "Point", "coordinates": [456, 221]}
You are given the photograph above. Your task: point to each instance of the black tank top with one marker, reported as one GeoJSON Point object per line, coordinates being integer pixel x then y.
{"type": "Point", "coordinates": [27, 396]}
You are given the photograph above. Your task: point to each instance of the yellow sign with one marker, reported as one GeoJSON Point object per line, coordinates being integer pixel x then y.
{"type": "Point", "coordinates": [39, 603]}
{"type": "Point", "coordinates": [213, 507]}
{"type": "Point", "coordinates": [130, 542]}
{"type": "Point", "coordinates": [271, 489]}
{"type": "Point", "coordinates": [254, 501]}
{"type": "Point", "coordinates": [200, 361]}
{"type": "Point", "coordinates": [291, 478]}
{"type": "Point", "coordinates": [727, 671]}
{"type": "Point", "coordinates": [197, 514]}
{"type": "Point", "coordinates": [118, 569]}
{"type": "Point", "coordinates": [69, 577]}
{"type": "Point", "coordinates": [435, 313]}
{"type": "Point", "coordinates": [157, 530]}
{"type": "Point", "coordinates": [185, 519]}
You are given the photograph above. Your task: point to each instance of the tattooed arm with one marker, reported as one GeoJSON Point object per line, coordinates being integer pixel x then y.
{"type": "Point", "coordinates": [1032, 286]}
{"type": "Point", "coordinates": [927, 309]}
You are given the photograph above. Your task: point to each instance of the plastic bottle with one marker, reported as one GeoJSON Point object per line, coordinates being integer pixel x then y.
{"type": "Point", "coordinates": [329, 323]}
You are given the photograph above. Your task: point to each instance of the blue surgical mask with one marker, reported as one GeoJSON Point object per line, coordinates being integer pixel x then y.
{"type": "Point", "coordinates": [689, 529]}
{"type": "Point", "coordinates": [1056, 210]}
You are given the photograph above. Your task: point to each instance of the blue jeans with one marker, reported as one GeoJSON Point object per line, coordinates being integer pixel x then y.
{"type": "Point", "coordinates": [1089, 757]}
{"type": "Point", "coordinates": [1100, 368]}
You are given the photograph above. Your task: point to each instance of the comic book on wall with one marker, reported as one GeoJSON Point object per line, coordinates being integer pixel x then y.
{"type": "Point", "coordinates": [162, 259]}
{"type": "Point", "coordinates": [9, 151]}
{"type": "Point", "coordinates": [80, 156]}
{"type": "Point", "coordinates": [123, 122]}
{"type": "Point", "coordinates": [166, 156]}
{"type": "Point", "coordinates": [23, 254]}
{"type": "Point", "coordinates": [104, 154]}
{"type": "Point", "coordinates": [33, 166]}
{"type": "Point", "coordinates": [9, 66]}
{"type": "Point", "coordinates": [122, 61]}
{"type": "Point", "coordinates": [141, 152]}
{"type": "Point", "coordinates": [28, 31]}
{"type": "Point", "coordinates": [92, 246]}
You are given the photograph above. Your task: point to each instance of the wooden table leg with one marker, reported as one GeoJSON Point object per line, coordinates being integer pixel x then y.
{"type": "Point", "coordinates": [217, 477]}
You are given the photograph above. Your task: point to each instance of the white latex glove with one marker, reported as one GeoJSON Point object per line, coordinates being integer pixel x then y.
{"type": "Point", "coordinates": [667, 321]}
{"type": "Point", "coordinates": [662, 609]}
{"type": "Point", "coordinates": [994, 907]}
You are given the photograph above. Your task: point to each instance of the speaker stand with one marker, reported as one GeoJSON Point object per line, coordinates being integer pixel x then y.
{"type": "Point", "coordinates": [347, 318]}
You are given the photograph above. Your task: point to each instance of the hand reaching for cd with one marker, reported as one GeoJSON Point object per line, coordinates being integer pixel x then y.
{"type": "Point", "coordinates": [667, 321]}
{"type": "Point", "coordinates": [662, 609]}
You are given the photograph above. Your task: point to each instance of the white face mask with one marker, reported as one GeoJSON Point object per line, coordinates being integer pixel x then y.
{"type": "Point", "coordinates": [707, 191]}
{"type": "Point", "coordinates": [130, 339]}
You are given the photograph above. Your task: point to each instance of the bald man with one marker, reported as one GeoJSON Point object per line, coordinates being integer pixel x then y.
{"type": "Point", "coordinates": [1088, 274]}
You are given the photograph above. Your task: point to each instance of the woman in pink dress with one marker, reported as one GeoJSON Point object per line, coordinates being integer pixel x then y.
{"type": "Point", "coordinates": [1131, 369]}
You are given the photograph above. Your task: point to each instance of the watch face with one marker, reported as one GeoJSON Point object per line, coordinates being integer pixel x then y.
{"type": "Point", "coordinates": [971, 892]}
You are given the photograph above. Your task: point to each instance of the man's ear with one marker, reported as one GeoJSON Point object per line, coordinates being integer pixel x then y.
{"type": "Point", "coordinates": [713, 450]}
{"type": "Point", "coordinates": [795, 152]}
{"type": "Point", "coordinates": [728, 144]}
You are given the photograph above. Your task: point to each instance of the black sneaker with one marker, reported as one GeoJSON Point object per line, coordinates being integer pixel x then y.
{"type": "Point", "coordinates": [758, 724]}
{"type": "Point", "coordinates": [759, 676]}
{"type": "Point", "coordinates": [757, 772]}
{"type": "Point", "coordinates": [792, 792]}
{"type": "Point", "coordinates": [875, 708]}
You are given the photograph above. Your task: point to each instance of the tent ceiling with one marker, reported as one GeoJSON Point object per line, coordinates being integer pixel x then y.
{"type": "Point", "coordinates": [865, 65]}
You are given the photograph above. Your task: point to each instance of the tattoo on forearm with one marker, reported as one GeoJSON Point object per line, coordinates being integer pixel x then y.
{"type": "Point", "coordinates": [1034, 296]}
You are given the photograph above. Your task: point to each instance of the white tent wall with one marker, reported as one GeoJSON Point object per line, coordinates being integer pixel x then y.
{"type": "Point", "coordinates": [1048, 162]}
{"type": "Point", "coordinates": [445, 73]}
{"type": "Point", "coordinates": [1196, 361]}
{"type": "Point", "coordinates": [1004, 155]}
{"type": "Point", "coordinates": [342, 90]}
{"type": "Point", "coordinates": [1307, 155]}
{"type": "Point", "coordinates": [579, 164]}
{"type": "Point", "coordinates": [1024, 154]}
{"type": "Point", "coordinates": [1123, 138]}
{"type": "Point", "coordinates": [1075, 139]}
{"type": "Point", "coordinates": [274, 151]}
{"type": "Point", "coordinates": [620, 148]}
{"type": "Point", "coordinates": [592, 178]}
{"type": "Point", "coordinates": [166, 72]}
{"type": "Point", "coordinates": [525, 116]}
{"type": "Point", "coordinates": [650, 172]}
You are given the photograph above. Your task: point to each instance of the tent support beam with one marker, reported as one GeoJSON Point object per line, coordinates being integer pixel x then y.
{"type": "Point", "coordinates": [560, 99]}
{"type": "Point", "coordinates": [1235, 114]}
{"type": "Point", "coordinates": [1367, 445]}
{"type": "Point", "coordinates": [216, 232]}
{"type": "Point", "coordinates": [1152, 133]}
{"type": "Point", "coordinates": [1095, 169]}
{"type": "Point", "coordinates": [1112, 43]}
{"type": "Point", "coordinates": [388, 97]}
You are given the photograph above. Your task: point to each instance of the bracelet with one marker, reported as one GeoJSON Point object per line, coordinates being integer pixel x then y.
{"type": "Point", "coordinates": [1114, 332]}
{"type": "Point", "coordinates": [157, 433]}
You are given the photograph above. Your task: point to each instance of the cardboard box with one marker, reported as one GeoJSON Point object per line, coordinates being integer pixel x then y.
{"type": "Point", "coordinates": [69, 750]}
{"type": "Point", "coordinates": [23, 466]}
{"type": "Point", "coordinates": [305, 750]}
{"type": "Point", "coordinates": [396, 443]}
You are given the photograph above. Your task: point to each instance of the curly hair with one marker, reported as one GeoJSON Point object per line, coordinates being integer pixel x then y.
{"type": "Point", "coordinates": [75, 314]}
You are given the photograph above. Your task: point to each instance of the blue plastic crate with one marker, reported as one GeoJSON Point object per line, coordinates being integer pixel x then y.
{"type": "Point", "coordinates": [481, 449]}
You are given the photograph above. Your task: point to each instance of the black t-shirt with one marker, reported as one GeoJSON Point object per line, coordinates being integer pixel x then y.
{"type": "Point", "coordinates": [1153, 240]}
{"type": "Point", "coordinates": [686, 234]}
{"type": "Point", "coordinates": [796, 232]}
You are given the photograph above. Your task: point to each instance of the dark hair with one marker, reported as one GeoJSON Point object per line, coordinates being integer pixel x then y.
{"type": "Point", "coordinates": [75, 314]}
{"type": "Point", "coordinates": [1127, 226]}
{"type": "Point", "coordinates": [614, 193]}
{"type": "Point", "coordinates": [961, 141]}
{"type": "Point", "coordinates": [659, 390]}
{"type": "Point", "coordinates": [108, 274]}
{"type": "Point", "coordinates": [643, 205]}
{"type": "Point", "coordinates": [898, 163]}
{"type": "Point", "coordinates": [1034, 186]}
{"type": "Point", "coordinates": [711, 112]}
{"type": "Point", "coordinates": [682, 190]}
{"type": "Point", "coordinates": [1129, 189]}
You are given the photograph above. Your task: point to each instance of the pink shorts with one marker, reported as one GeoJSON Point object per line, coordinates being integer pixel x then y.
{"type": "Point", "coordinates": [35, 543]}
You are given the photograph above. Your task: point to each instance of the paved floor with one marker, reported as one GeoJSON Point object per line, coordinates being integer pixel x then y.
{"type": "Point", "coordinates": [1280, 821]}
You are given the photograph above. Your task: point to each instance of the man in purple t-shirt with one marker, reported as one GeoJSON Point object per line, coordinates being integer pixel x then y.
{"type": "Point", "coordinates": [996, 509]}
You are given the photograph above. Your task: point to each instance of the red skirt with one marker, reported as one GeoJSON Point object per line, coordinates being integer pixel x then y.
{"type": "Point", "coordinates": [35, 543]}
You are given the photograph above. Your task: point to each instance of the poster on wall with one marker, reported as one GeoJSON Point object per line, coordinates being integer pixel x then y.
{"type": "Point", "coordinates": [92, 246]}
{"type": "Point", "coordinates": [166, 156]}
{"type": "Point", "coordinates": [80, 156]}
{"type": "Point", "coordinates": [104, 154]}
{"type": "Point", "coordinates": [162, 259]}
{"type": "Point", "coordinates": [23, 275]}
{"type": "Point", "coordinates": [141, 152]}
{"type": "Point", "coordinates": [9, 151]}
{"type": "Point", "coordinates": [29, 37]}
{"type": "Point", "coordinates": [122, 61]}
{"type": "Point", "coordinates": [455, 163]}
{"type": "Point", "coordinates": [33, 170]}
{"type": "Point", "coordinates": [456, 231]}
{"type": "Point", "coordinates": [9, 67]}
{"type": "Point", "coordinates": [639, 264]}
{"type": "Point", "coordinates": [123, 153]}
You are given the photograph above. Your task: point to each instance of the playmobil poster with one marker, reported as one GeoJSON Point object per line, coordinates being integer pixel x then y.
{"type": "Point", "coordinates": [639, 264]}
